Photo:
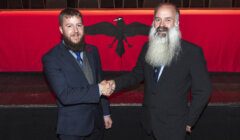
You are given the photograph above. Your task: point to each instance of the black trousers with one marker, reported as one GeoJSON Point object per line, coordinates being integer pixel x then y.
{"type": "Point", "coordinates": [147, 135]}
{"type": "Point", "coordinates": [97, 134]}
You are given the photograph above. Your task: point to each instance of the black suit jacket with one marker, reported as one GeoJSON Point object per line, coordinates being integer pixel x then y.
{"type": "Point", "coordinates": [79, 104]}
{"type": "Point", "coordinates": [165, 105]}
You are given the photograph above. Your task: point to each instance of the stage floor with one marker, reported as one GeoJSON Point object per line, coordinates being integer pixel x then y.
{"type": "Point", "coordinates": [32, 89]}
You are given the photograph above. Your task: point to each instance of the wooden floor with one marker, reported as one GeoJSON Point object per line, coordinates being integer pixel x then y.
{"type": "Point", "coordinates": [32, 89]}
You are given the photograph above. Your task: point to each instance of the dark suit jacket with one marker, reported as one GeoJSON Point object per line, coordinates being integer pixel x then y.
{"type": "Point", "coordinates": [165, 105]}
{"type": "Point", "coordinates": [80, 106]}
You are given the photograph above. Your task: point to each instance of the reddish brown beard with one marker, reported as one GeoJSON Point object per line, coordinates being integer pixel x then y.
{"type": "Point", "coordinates": [80, 46]}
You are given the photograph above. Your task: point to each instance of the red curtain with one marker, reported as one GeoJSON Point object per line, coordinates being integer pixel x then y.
{"type": "Point", "coordinates": [27, 35]}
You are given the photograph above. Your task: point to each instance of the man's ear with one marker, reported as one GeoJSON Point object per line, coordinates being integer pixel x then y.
{"type": "Point", "coordinates": [61, 29]}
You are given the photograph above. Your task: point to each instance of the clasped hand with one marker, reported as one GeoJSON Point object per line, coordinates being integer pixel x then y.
{"type": "Point", "coordinates": [107, 87]}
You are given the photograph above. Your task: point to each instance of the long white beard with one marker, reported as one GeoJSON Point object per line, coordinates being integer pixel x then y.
{"type": "Point", "coordinates": [162, 50]}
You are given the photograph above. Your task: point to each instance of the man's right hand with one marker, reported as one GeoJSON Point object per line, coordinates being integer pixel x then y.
{"type": "Point", "coordinates": [112, 85]}
{"type": "Point", "coordinates": [106, 88]}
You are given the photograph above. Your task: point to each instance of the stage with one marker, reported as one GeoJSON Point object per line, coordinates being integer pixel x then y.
{"type": "Point", "coordinates": [32, 89]}
{"type": "Point", "coordinates": [27, 105]}
{"type": "Point", "coordinates": [28, 109]}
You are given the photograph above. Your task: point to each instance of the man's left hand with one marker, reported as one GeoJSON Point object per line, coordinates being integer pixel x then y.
{"type": "Point", "coordinates": [188, 128]}
{"type": "Point", "coordinates": [108, 122]}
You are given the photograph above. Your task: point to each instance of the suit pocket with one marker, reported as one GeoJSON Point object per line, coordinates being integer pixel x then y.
{"type": "Point", "coordinates": [76, 120]}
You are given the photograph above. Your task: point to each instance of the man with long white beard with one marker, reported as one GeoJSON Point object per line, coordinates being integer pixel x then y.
{"type": "Point", "coordinates": [170, 67]}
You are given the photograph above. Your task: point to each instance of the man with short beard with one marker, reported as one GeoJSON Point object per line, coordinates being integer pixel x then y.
{"type": "Point", "coordinates": [73, 71]}
{"type": "Point", "coordinates": [170, 67]}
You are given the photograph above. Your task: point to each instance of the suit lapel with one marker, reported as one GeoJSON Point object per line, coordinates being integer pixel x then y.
{"type": "Point", "coordinates": [91, 63]}
{"type": "Point", "coordinates": [167, 71]}
{"type": "Point", "coordinates": [67, 56]}
{"type": "Point", "coordinates": [151, 74]}
{"type": "Point", "coordinates": [163, 76]}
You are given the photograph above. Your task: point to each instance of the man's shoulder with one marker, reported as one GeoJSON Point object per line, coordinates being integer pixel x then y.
{"type": "Point", "coordinates": [53, 51]}
{"type": "Point", "coordinates": [91, 48]}
{"type": "Point", "coordinates": [90, 45]}
{"type": "Point", "coordinates": [145, 46]}
{"type": "Point", "coordinates": [189, 46]}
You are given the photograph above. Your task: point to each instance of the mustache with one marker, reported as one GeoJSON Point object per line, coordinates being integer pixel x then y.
{"type": "Point", "coordinates": [75, 34]}
{"type": "Point", "coordinates": [161, 29]}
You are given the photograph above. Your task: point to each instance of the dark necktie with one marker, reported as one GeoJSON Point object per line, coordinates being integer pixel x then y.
{"type": "Point", "coordinates": [79, 59]}
{"type": "Point", "coordinates": [156, 73]}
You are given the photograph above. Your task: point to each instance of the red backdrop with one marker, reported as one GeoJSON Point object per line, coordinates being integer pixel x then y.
{"type": "Point", "coordinates": [26, 35]}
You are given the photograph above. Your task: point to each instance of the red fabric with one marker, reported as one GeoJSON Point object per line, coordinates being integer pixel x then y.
{"type": "Point", "coordinates": [27, 35]}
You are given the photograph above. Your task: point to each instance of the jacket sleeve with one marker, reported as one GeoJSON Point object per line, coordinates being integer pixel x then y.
{"type": "Point", "coordinates": [135, 76]}
{"type": "Point", "coordinates": [201, 87]}
{"type": "Point", "coordinates": [67, 94]}
{"type": "Point", "coordinates": [104, 100]}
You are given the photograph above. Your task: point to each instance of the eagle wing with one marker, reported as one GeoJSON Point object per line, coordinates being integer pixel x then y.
{"type": "Point", "coordinates": [104, 28]}
{"type": "Point", "coordinates": [136, 28]}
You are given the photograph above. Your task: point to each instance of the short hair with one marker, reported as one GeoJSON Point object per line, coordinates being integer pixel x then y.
{"type": "Point", "coordinates": [168, 4]}
{"type": "Point", "coordinates": [68, 12]}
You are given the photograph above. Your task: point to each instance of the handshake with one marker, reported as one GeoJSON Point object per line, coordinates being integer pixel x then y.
{"type": "Point", "coordinates": [106, 88]}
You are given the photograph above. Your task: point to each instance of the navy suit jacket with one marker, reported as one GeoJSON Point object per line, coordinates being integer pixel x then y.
{"type": "Point", "coordinates": [80, 107]}
{"type": "Point", "coordinates": [165, 105]}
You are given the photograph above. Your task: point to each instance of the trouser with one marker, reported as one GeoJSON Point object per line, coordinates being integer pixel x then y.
{"type": "Point", "coordinates": [147, 136]}
{"type": "Point", "coordinates": [97, 134]}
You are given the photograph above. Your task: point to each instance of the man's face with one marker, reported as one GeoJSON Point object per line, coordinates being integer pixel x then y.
{"type": "Point", "coordinates": [72, 28]}
{"type": "Point", "coordinates": [164, 37]}
{"type": "Point", "coordinates": [164, 20]}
